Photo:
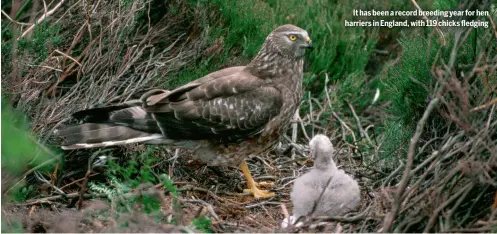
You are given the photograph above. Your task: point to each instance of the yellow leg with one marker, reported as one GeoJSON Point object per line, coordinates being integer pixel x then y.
{"type": "Point", "coordinates": [252, 185]}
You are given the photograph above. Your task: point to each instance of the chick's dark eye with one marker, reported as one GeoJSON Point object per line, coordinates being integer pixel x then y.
{"type": "Point", "coordinates": [292, 37]}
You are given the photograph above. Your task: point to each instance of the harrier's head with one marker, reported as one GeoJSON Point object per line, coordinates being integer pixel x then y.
{"type": "Point", "coordinates": [290, 40]}
{"type": "Point", "coordinates": [322, 152]}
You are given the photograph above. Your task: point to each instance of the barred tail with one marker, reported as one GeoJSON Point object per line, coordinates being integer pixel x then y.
{"type": "Point", "coordinates": [91, 135]}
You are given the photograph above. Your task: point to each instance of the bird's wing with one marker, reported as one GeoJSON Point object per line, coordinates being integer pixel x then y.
{"type": "Point", "coordinates": [304, 194]}
{"type": "Point", "coordinates": [227, 105]}
{"type": "Point", "coordinates": [157, 97]}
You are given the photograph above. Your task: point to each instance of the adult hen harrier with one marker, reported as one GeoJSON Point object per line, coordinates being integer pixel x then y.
{"type": "Point", "coordinates": [224, 116]}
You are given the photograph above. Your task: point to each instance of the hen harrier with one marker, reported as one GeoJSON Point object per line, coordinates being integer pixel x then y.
{"type": "Point", "coordinates": [223, 117]}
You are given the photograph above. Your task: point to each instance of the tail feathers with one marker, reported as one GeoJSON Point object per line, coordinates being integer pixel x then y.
{"type": "Point", "coordinates": [102, 114]}
{"type": "Point", "coordinates": [129, 114]}
{"type": "Point", "coordinates": [90, 135]}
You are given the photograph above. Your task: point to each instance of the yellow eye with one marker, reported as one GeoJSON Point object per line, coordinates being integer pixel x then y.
{"type": "Point", "coordinates": [292, 37]}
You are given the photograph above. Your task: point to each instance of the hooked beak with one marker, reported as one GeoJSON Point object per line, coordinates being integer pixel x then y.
{"type": "Point", "coordinates": [309, 43]}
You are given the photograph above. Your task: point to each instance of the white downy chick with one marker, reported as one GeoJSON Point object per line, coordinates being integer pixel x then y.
{"type": "Point", "coordinates": [341, 192]}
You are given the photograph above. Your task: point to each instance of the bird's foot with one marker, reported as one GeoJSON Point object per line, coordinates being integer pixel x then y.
{"type": "Point", "coordinates": [252, 185]}
{"type": "Point", "coordinates": [259, 193]}
{"type": "Point", "coordinates": [264, 184]}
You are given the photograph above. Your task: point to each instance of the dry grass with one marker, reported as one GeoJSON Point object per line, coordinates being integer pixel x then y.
{"type": "Point", "coordinates": [117, 61]}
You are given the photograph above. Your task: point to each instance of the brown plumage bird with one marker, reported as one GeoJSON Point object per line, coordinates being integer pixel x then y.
{"type": "Point", "coordinates": [224, 116]}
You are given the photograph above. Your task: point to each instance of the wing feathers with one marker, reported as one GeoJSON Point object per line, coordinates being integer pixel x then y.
{"type": "Point", "coordinates": [225, 86]}
{"type": "Point", "coordinates": [182, 92]}
{"type": "Point", "coordinates": [223, 118]}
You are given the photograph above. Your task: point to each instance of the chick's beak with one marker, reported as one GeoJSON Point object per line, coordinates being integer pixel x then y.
{"type": "Point", "coordinates": [309, 43]}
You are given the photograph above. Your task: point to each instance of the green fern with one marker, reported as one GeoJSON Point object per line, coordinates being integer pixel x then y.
{"type": "Point", "coordinates": [102, 188]}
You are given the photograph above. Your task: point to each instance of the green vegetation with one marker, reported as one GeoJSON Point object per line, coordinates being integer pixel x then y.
{"type": "Point", "coordinates": [202, 224]}
{"type": "Point", "coordinates": [124, 179]}
{"type": "Point", "coordinates": [244, 25]}
{"type": "Point", "coordinates": [409, 83]}
{"type": "Point", "coordinates": [45, 38]}
{"type": "Point", "coordinates": [19, 147]}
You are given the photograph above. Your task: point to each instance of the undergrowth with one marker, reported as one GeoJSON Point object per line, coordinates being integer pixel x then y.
{"type": "Point", "coordinates": [133, 188]}
{"type": "Point", "coordinates": [408, 83]}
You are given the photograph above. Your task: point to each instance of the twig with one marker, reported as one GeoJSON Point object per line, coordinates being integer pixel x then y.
{"type": "Point", "coordinates": [43, 66]}
{"type": "Point", "coordinates": [210, 193]}
{"type": "Point", "coordinates": [359, 125]}
{"type": "Point", "coordinates": [493, 26]}
{"type": "Point", "coordinates": [13, 21]}
{"type": "Point", "coordinates": [85, 181]}
{"type": "Point", "coordinates": [388, 221]}
{"type": "Point", "coordinates": [208, 206]}
{"type": "Point", "coordinates": [326, 80]}
{"type": "Point", "coordinates": [484, 106]}
{"type": "Point", "coordinates": [48, 13]}
{"type": "Point", "coordinates": [265, 202]}
{"type": "Point", "coordinates": [301, 123]}
{"type": "Point", "coordinates": [351, 219]}
{"type": "Point", "coordinates": [434, 215]}
{"type": "Point", "coordinates": [69, 57]}
{"type": "Point", "coordinates": [78, 180]}
{"type": "Point", "coordinates": [343, 124]}
{"type": "Point", "coordinates": [45, 181]}
{"type": "Point", "coordinates": [56, 197]}
{"type": "Point", "coordinates": [471, 230]}
{"type": "Point", "coordinates": [426, 18]}
{"type": "Point", "coordinates": [392, 175]}
{"type": "Point", "coordinates": [490, 116]}
{"type": "Point", "coordinates": [284, 210]}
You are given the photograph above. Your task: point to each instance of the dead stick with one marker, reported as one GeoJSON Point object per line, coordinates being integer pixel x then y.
{"type": "Point", "coordinates": [69, 71]}
{"type": "Point", "coordinates": [52, 198]}
{"type": "Point", "coordinates": [343, 219]}
{"type": "Point", "coordinates": [388, 221]}
{"type": "Point", "coordinates": [48, 13]}
{"type": "Point", "coordinates": [78, 180]}
{"type": "Point", "coordinates": [85, 181]}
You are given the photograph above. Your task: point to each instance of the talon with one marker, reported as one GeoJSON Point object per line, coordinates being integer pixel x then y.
{"type": "Point", "coordinates": [252, 185]}
{"type": "Point", "coordinates": [258, 193]}
{"type": "Point", "coordinates": [264, 184]}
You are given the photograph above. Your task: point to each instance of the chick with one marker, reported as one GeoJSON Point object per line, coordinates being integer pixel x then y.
{"type": "Point", "coordinates": [340, 192]}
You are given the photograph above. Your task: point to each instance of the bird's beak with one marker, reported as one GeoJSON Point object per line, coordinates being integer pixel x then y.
{"type": "Point", "coordinates": [309, 43]}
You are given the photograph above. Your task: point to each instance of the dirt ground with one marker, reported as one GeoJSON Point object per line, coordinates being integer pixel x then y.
{"type": "Point", "coordinates": [93, 217]}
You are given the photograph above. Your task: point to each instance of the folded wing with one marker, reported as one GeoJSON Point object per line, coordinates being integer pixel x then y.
{"type": "Point", "coordinates": [226, 106]}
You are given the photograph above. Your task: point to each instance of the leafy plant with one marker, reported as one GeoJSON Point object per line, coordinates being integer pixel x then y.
{"type": "Point", "coordinates": [203, 223]}
{"type": "Point", "coordinates": [20, 149]}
